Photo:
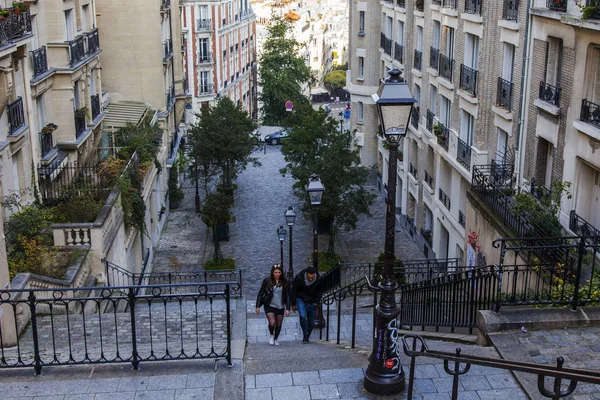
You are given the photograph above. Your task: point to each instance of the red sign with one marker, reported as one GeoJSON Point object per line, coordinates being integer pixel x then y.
{"type": "Point", "coordinates": [289, 105]}
{"type": "Point", "coordinates": [389, 364]}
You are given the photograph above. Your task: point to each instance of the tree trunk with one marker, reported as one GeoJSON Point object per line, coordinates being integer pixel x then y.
{"type": "Point", "coordinates": [197, 199]}
{"type": "Point", "coordinates": [331, 247]}
{"type": "Point", "coordinates": [217, 255]}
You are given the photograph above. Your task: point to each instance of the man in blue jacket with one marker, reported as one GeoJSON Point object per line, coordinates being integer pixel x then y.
{"type": "Point", "coordinates": [306, 295]}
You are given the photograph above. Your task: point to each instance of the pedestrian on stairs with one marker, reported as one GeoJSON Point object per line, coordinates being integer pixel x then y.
{"type": "Point", "coordinates": [306, 295]}
{"type": "Point", "coordinates": [274, 297]}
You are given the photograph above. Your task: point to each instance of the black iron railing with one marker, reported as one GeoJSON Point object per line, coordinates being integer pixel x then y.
{"type": "Point", "coordinates": [417, 60]}
{"type": "Point", "coordinates": [434, 58]}
{"type": "Point", "coordinates": [13, 26]}
{"type": "Point", "coordinates": [590, 112]}
{"type": "Point", "coordinates": [80, 124]}
{"type": "Point", "coordinates": [473, 6]}
{"type": "Point", "coordinates": [400, 3]}
{"type": "Point", "coordinates": [16, 115]}
{"type": "Point", "coordinates": [386, 44]}
{"type": "Point", "coordinates": [462, 220]}
{"type": "Point", "coordinates": [594, 3]}
{"type": "Point", "coordinates": [414, 117]}
{"type": "Point", "coordinates": [428, 179]}
{"type": "Point", "coordinates": [557, 5]}
{"type": "Point", "coordinates": [549, 93]}
{"type": "Point", "coordinates": [442, 136]}
{"type": "Point", "coordinates": [119, 326]}
{"type": "Point", "coordinates": [39, 59]}
{"type": "Point", "coordinates": [581, 227]}
{"type": "Point", "coordinates": [203, 24]}
{"type": "Point", "coordinates": [72, 180]}
{"type": "Point", "coordinates": [205, 58]}
{"type": "Point", "coordinates": [93, 39]}
{"type": "Point", "coordinates": [170, 97]}
{"type": "Point", "coordinates": [413, 171]}
{"type": "Point", "coordinates": [95, 101]}
{"type": "Point", "coordinates": [167, 49]}
{"type": "Point", "coordinates": [449, 4]}
{"type": "Point", "coordinates": [399, 53]}
{"type": "Point", "coordinates": [468, 79]}
{"type": "Point", "coordinates": [446, 67]}
{"type": "Point", "coordinates": [419, 5]}
{"type": "Point", "coordinates": [540, 192]}
{"type": "Point", "coordinates": [76, 50]}
{"type": "Point", "coordinates": [46, 144]}
{"type": "Point", "coordinates": [463, 154]}
{"type": "Point", "coordinates": [510, 10]}
{"type": "Point", "coordinates": [205, 88]}
{"type": "Point", "coordinates": [444, 198]}
{"type": "Point", "coordinates": [429, 121]}
{"type": "Point", "coordinates": [504, 94]}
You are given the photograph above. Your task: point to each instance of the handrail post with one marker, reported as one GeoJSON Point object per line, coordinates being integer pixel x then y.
{"type": "Point", "coordinates": [135, 359]}
{"type": "Point", "coordinates": [578, 274]}
{"type": "Point", "coordinates": [34, 332]}
{"type": "Point", "coordinates": [228, 312]}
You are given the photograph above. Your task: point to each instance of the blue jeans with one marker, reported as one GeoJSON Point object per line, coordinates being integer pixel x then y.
{"type": "Point", "coordinates": [307, 313]}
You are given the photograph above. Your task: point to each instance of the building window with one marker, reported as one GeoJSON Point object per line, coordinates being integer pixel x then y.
{"type": "Point", "coordinates": [401, 33]}
{"type": "Point", "coordinates": [467, 127]}
{"type": "Point", "coordinates": [445, 108]}
{"type": "Point", "coordinates": [419, 38]}
{"type": "Point", "coordinates": [436, 34]}
{"type": "Point", "coordinates": [432, 99]}
{"type": "Point", "coordinates": [553, 61]}
{"type": "Point", "coordinates": [501, 146]}
{"type": "Point", "coordinates": [84, 17]}
{"type": "Point", "coordinates": [359, 112]}
{"type": "Point", "coordinates": [361, 23]}
{"type": "Point", "coordinates": [450, 42]}
{"type": "Point", "coordinates": [472, 51]}
{"type": "Point", "coordinates": [508, 62]}
{"type": "Point", "coordinates": [69, 25]}
{"type": "Point", "coordinates": [361, 68]}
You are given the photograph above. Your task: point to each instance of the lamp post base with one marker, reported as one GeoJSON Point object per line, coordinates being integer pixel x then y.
{"type": "Point", "coordinates": [384, 385]}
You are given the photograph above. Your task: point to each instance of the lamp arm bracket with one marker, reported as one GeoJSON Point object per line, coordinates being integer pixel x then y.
{"type": "Point", "coordinates": [371, 287]}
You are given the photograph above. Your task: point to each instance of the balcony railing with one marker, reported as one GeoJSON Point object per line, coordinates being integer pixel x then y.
{"type": "Point", "coordinates": [436, 2]}
{"type": "Point", "coordinates": [413, 171]}
{"type": "Point", "coordinates": [399, 53]}
{"type": "Point", "coordinates": [205, 88]}
{"type": "Point", "coordinates": [205, 58]}
{"type": "Point", "coordinates": [203, 24]}
{"type": "Point", "coordinates": [428, 179]}
{"type": "Point", "coordinates": [504, 94]}
{"type": "Point", "coordinates": [449, 4]}
{"type": "Point", "coordinates": [400, 3]}
{"type": "Point", "coordinates": [417, 60]}
{"type": "Point", "coordinates": [16, 115]}
{"type": "Point", "coordinates": [93, 41]}
{"type": "Point", "coordinates": [40, 61]}
{"type": "Point", "coordinates": [510, 10]}
{"type": "Point", "coordinates": [446, 67]}
{"type": "Point", "coordinates": [444, 198]}
{"type": "Point", "coordinates": [434, 58]}
{"type": "Point", "coordinates": [590, 112]}
{"type": "Point", "coordinates": [14, 26]}
{"type": "Point", "coordinates": [386, 44]}
{"type": "Point", "coordinates": [468, 79]}
{"type": "Point", "coordinates": [462, 220]}
{"type": "Point", "coordinates": [442, 136]}
{"type": "Point", "coordinates": [473, 6]}
{"type": "Point", "coordinates": [414, 117]}
{"type": "Point", "coordinates": [170, 97]}
{"type": "Point", "coordinates": [95, 100]}
{"type": "Point", "coordinates": [580, 226]}
{"type": "Point", "coordinates": [80, 125]}
{"type": "Point", "coordinates": [549, 93]}
{"type": "Point", "coordinates": [76, 50]}
{"type": "Point", "coordinates": [463, 154]}
{"type": "Point", "coordinates": [557, 5]}
{"type": "Point", "coordinates": [429, 122]}
{"type": "Point", "coordinates": [594, 3]}
{"type": "Point", "coordinates": [419, 5]}
{"type": "Point", "coordinates": [167, 49]}
{"type": "Point", "coordinates": [46, 143]}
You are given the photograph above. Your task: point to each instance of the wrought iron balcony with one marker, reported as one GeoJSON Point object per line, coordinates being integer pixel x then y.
{"type": "Point", "coordinates": [446, 67]}
{"type": "Point", "coordinates": [434, 58]}
{"type": "Point", "coordinates": [504, 94]}
{"type": "Point", "coordinates": [13, 26]}
{"type": "Point", "coordinates": [414, 117]}
{"type": "Point", "coordinates": [413, 171]}
{"type": "Point", "coordinates": [93, 40]}
{"type": "Point", "coordinates": [510, 10]}
{"type": "Point", "coordinates": [80, 124]}
{"type": "Point", "coordinates": [549, 93]}
{"type": "Point", "coordinates": [76, 50]}
{"type": "Point", "coordinates": [167, 49]}
{"type": "Point", "coordinates": [442, 136]}
{"type": "Point", "coordinates": [444, 198]}
{"type": "Point", "coordinates": [580, 226]}
{"type": "Point", "coordinates": [95, 100]}
{"type": "Point", "coordinates": [400, 3]}
{"type": "Point", "coordinates": [557, 5]}
{"type": "Point", "coordinates": [462, 220]}
{"type": "Point", "coordinates": [204, 58]}
{"type": "Point", "coordinates": [386, 44]}
{"type": "Point", "coordinates": [205, 88]}
{"type": "Point", "coordinates": [399, 53]}
{"type": "Point", "coordinates": [473, 6]}
{"type": "Point", "coordinates": [203, 24]}
{"type": "Point", "coordinates": [39, 59]}
{"type": "Point", "coordinates": [436, 2]}
{"type": "Point", "coordinates": [449, 4]}
{"type": "Point", "coordinates": [429, 122]}
{"type": "Point", "coordinates": [429, 179]}
{"type": "Point", "coordinates": [468, 79]}
{"type": "Point", "coordinates": [419, 5]}
{"type": "Point", "coordinates": [46, 143]}
{"type": "Point", "coordinates": [590, 112]}
{"type": "Point", "coordinates": [417, 60]}
{"type": "Point", "coordinates": [463, 154]}
{"type": "Point", "coordinates": [170, 97]}
{"type": "Point", "coordinates": [594, 3]}
{"type": "Point", "coordinates": [16, 115]}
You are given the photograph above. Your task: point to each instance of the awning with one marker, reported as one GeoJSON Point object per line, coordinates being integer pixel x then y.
{"type": "Point", "coordinates": [118, 114]}
{"type": "Point", "coordinates": [318, 90]}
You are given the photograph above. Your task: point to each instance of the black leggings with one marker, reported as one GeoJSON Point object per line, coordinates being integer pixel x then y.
{"type": "Point", "coordinates": [275, 319]}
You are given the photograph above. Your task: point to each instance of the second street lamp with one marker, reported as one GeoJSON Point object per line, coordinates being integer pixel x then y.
{"type": "Point", "coordinates": [290, 219]}
{"type": "Point", "coordinates": [315, 191]}
{"type": "Point", "coordinates": [384, 375]}
{"type": "Point", "coordinates": [281, 236]}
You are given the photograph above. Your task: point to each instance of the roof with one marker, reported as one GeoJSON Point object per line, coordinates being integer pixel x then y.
{"type": "Point", "coordinates": [118, 114]}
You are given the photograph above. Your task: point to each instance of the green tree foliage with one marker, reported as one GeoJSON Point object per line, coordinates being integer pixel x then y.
{"type": "Point", "coordinates": [316, 146]}
{"type": "Point", "coordinates": [215, 212]}
{"type": "Point", "coordinates": [282, 72]}
{"type": "Point", "coordinates": [336, 79]}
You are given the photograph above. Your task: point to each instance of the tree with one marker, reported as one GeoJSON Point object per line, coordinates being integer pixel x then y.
{"type": "Point", "coordinates": [336, 79]}
{"type": "Point", "coordinates": [215, 212]}
{"type": "Point", "coordinates": [316, 146]}
{"type": "Point", "coordinates": [282, 72]}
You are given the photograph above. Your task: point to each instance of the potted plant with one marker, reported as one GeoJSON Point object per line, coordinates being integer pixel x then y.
{"type": "Point", "coordinates": [440, 132]}
{"type": "Point", "coordinates": [49, 128]}
{"type": "Point", "coordinates": [587, 10]}
{"type": "Point", "coordinates": [4, 13]}
{"type": "Point", "coordinates": [400, 156]}
{"type": "Point", "coordinates": [20, 7]}
{"type": "Point", "coordinates": [83, 111]}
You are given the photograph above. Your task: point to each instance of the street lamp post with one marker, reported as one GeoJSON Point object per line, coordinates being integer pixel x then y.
{"type": "Point", "coordinates": [384, 375]}
{"type": "Point", "coordinates": [281, 236]}
{"type": "Point", "coordinates": [315, 191]}
{"type": "Point", "coordinates": [290, 219]}
{"type": "Point", "coordinates": [341, 119]}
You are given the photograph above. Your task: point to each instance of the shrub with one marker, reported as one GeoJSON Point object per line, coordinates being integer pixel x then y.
{"type": "Point", "coordinates": [225, 264]}
{"type": "Point", "coordinates": [82, 208]}
{"type": "Point", "coordinates": [328, 261]}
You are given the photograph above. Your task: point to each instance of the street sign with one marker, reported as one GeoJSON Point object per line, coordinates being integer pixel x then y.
{"type": "Point", "coordinates": [347, 114]}
{"type": "Point", "coordinates": [289, 105]}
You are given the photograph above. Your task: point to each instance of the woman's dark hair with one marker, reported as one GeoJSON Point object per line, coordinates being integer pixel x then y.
{"type": "Point", "coordinates": [282, 279]}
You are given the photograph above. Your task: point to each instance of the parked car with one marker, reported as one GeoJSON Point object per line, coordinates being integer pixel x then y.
{"type": "Point", "coordinates": [277, 137]}
{"type": "Point", "coordinates": [327, 108]}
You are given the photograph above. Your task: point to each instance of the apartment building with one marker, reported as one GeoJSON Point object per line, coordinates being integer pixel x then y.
{"type": "Point", "coordinates": [50, 92]}
{"type": "Point", "coordinates": [463, 62]}
{"type": "Point", "coordinates": [219, 45]}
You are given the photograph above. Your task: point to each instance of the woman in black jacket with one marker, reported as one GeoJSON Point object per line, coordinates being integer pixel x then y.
{"type": "Point", "coordinates": [274, 297]}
